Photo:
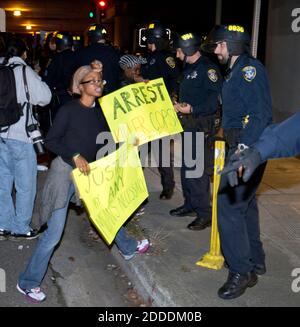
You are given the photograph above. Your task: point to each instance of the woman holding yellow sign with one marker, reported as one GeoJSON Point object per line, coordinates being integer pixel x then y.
{"type": "Point", "coordinates": [73, 138]}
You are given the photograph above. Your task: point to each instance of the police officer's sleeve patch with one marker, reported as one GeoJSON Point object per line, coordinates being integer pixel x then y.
{"type": "Point", "coordinates": [171, 62]}
{"type": "Point", "coordinates": [249, 73]}
{"type": "Point", "coordinates": [152, 61]}
{"type": "Point", "coordinates": [212, 75]}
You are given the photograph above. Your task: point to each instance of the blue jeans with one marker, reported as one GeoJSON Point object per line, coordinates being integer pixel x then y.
{"type": "Point", "coordinates": [38, 263]}
{"type": "Point", "coordinates": [18, 166]}
{"type": "Point", "coordinates": [125, 243]}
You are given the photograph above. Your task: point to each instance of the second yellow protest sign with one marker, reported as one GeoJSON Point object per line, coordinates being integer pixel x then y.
{"type": "Point", "coordinates": [142, 110]}
{"type": "Point", "coordinates": [113, 190]}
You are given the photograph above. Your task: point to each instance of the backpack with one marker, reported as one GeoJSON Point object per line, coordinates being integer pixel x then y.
{"type": "Point", "coordinates": [10, 110]}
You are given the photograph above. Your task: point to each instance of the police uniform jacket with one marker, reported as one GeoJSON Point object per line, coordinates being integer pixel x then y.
{"type": "Point", "coordinates": [110, 60]}
{"type": "Point", "coordinates": [162, 64]}
{"type": "Point", "coordinates": [201, 86]}
{"type": "Point", "coordinates": [59, 73]}
{"type": "Point", "coordinates": [280, 140]}
{"type": "Point", "coordinates": [246, 99]}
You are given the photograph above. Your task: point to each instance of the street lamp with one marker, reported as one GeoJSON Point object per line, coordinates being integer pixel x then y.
{"type": "Point", "coordinates": [17, 13]}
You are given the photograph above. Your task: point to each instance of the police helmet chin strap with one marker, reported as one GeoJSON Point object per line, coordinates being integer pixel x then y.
{"type": "Point", "coordinates": [184, 60]}
{"type": "Point", "coordinates": [228, 64]}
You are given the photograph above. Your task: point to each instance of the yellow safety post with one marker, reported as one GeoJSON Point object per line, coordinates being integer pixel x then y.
{"type": "Point", "coordinates": [214, 259]}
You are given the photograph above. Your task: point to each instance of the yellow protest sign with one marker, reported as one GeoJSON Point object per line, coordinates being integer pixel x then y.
{"type": "Point", "coordinates": [113, 190]}
{"type": "Point", "coordinates": [141, 110]}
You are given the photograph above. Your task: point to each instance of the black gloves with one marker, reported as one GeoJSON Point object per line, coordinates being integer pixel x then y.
{"type": "Point", "coordinates": [249, 159]}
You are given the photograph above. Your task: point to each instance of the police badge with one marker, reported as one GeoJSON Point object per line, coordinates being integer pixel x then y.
{"type": "Point", "coordinates": [152, 61]}
{"type": "Point", "coordinates": [212, 75]}
{"type": "Point", "coordinates": [171, 62]}
{"type": "Point", "coordinates": [249, 73]}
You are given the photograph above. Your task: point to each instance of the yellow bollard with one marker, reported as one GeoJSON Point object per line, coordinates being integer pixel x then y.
{"type": "Point", "coordinates": [214, 259]}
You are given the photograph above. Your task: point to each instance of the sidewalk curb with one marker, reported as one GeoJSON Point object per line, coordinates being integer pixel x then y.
{"type": "Point", "coordinates": [144, 281]}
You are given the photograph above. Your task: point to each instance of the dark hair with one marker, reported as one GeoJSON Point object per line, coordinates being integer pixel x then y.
{"type": "Point", "coordinates": [15, 48]}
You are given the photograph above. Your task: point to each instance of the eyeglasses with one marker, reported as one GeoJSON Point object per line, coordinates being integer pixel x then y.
{"type": "Point", "coordinates": [93, 82]}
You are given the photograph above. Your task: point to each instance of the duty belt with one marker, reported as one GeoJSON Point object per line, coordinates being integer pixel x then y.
{"type": "Point", "coordinates": [232, 136]}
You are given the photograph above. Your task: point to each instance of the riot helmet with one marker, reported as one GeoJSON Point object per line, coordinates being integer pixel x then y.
{"type": "Point", "coordinates": [236, 37]}
{"type": "Point", "coordinates": [77, 42]}
{"type": "Point", "coordinates": [96, 32]}
{"type": "Point", "coordinates": [189, 43]}
{"type": "Point", "coordinates": [63, 40]}
{"type": "Point", "coordinates": [158, 34]}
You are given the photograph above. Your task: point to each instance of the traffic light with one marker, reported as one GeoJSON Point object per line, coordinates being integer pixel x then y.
{"type": "Point", "coordinates": [102, 5]}
{"type": "Point", "coordinates": [93, 9]}
{"type": "Point", "coordinates": [92, 14]}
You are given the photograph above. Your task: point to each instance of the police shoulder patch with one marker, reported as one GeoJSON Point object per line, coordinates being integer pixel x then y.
{"type": "Point", "coordinates": [171, 62]}
{"type": "Point", "coordinates": [212, 75]}
{"type": "Point", "coordinates": [152, 61]}
{"type": "Point", "coordinates": [249, 73]}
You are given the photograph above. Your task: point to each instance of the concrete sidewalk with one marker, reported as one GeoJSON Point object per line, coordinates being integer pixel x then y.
{"type": "Point", "coordinates": [81, 272]}
{"type": "Point", "coordinates": [168, 275]}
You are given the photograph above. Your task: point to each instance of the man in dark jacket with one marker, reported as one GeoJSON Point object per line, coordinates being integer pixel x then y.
{"type": "Point", "coordinates": [199, 91]}
{"type": "Point", "coordinates": [59, 73]}
{"type": "Point", "coordinates": [161, 63]}
{"type": "Point", "coordinates": [98, 49]}
{"type": "Point", "coordinates": [247, 111]}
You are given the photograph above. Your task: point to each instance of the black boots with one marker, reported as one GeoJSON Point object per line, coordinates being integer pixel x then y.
{"type": "Point", "coordinates": [236, 285]}
{"type": "Point", "coordinates": [199, 224]}
{"type": "Point", "coordinates": [166, 194]}
{"type": "Point", "coordinates": [182, 212]}
{"type": "Point", "coordinates": [260, 268]}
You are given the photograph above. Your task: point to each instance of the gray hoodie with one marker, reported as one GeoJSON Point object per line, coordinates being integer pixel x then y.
{"type": "Point", "coordinates": [40, 94]}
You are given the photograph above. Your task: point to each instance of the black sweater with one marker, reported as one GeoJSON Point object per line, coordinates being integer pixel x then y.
{"type": "Point", "coordinates": [75, 130]}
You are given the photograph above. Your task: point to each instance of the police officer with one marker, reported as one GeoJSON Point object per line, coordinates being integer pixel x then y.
{"type": "Point", "coordinates": [200, 89]}
{"type": "Point", "coordinates": [59, 73]}
{"type": "Point", "coordinates": [247, 111]}
{"type": "Point", "coordinates": [77, 42]}
{"type": "Point", "coordinates": [98, 49]}
{"type": "Point", "coordinates": [277, 141]}
{"type": "Point", "coordinates": [47, 53]}
{"type": "Point", "coordinates": [161, 63]}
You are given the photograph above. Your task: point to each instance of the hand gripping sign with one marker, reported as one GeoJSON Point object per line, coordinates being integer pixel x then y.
{"type": "Point", "coordinates": [113, 190]}
{"type": "Point", "coordinates": [142, 110]}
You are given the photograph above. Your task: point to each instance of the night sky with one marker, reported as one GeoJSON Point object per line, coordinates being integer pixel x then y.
{"type": "Point", "coordinates": [198, 16]}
